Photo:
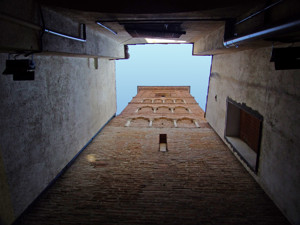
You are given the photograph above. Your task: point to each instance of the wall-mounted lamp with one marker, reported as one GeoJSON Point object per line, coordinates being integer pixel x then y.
{"type": "Point", "coordinates": [22, 69]}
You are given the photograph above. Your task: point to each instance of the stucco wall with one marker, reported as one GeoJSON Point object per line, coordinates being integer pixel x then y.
{"type": "Point", "coordinates": [249, 77]}
{"type": "Point", "coordinates": [45, 122]}
{"type": "Point", "coordinates": [24, 17]}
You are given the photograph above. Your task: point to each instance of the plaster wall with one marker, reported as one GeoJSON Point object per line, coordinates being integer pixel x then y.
{"type": "Point", "coordinates": [24, 17]}
{"type": "Point", "coordinates": [211, 43]}
{"type": "Point", "coordinates": [249, 77]}
{"type": "Point", "coordinates": [45, 122]}
{"type": "Point", "coordinates": [97, 44]}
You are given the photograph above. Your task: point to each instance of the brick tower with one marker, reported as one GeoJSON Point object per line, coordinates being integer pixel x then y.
{"type": "Point", "coordinates": [165, 107]}
{"type": "Point", "coordinates": [158, 162]}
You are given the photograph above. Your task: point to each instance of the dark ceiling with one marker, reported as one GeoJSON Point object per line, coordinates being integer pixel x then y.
{"type": "Point", "coordinates": [129, 22]}
{"type": "Point", "coordinates": [153, 6]}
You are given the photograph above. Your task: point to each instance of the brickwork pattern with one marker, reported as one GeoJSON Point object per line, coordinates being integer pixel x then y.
{"type": "Point", "coordinates": [163, 107]}
{"type": "Point", "coordinates": [123, 178]}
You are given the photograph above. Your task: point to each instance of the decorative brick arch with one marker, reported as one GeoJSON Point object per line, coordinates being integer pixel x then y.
{"type": "Point", "coordinates": [163, 122]}
{"type": "Point", "coordinates": [145, 109]}
{"type": "Point", "coordinates": [186, 122]}
{"type": "Point", "coordinates": [168, 100]}
{"type": "Point", "coordinates": [157, 100]}
{"type": "Point", "coordinates": [139, 122]}
{"type": "Point", "coordinates": [181, 109]}
{"type": "Point", "coordinates": [178, 100]}
{"type": "Point", "coordinates": [163, 109]}
{"type": "Point", "coordinates": [148, 100]}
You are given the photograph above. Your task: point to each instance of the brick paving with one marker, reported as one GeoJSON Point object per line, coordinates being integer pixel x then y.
{"type": "Point", "coordinates": [123, 178]}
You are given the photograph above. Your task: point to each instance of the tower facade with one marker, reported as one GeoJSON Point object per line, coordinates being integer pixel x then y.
{"type": "Point", "coordinates": [163, 107]}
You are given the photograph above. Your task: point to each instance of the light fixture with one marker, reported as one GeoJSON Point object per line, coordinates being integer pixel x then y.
{"type": "Point", "coordinates": [22, 69]}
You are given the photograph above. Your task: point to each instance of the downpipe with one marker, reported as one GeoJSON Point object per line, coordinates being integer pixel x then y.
{"type": "Point", "coordinates": [262, 34]}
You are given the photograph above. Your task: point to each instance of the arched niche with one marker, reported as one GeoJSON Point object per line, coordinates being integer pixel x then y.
{"type": "Point", "coordinates": [179, 100]}
{"type": "Point", "coordinates": [163, 122]}
{"type": "Point", "coordinates": [145, 109]}
{"type": "Point", "coordinates": [181, 109]}
{"type": "Point", "coordinates": [139, 122]}
{"type": "Point", "coordinates": [186, 122]}
{"type": "Point", "coordinates": [169, 101]}
{"type": "Point", "coordinates": [158, 101]}
{"type": "Point", "coordinates": [147, 101]}
{"type": "Point", "coordinates": [163, 109]}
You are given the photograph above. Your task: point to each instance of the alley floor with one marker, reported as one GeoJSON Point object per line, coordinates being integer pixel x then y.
{"type": "Point", "coordinates": [122, 178]}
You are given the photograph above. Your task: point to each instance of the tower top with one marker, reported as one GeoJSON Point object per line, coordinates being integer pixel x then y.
{"type": "Point", "coordinates": [162, 88]}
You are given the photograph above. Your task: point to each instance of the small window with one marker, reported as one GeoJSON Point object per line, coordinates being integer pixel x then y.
{"type": "Point", "coordinates": [243, 132]}
{"type": "Point", "coordinates": [163, 143]}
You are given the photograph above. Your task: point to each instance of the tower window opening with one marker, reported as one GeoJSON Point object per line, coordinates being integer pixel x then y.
{"type": "Point", "coordinates": [163, 143]}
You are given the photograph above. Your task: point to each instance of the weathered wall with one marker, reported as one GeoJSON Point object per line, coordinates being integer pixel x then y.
{"type": "Point", "coordinates": [45, 122]}
{"type": "Point", "coordinates": [211, 43]}
{"type": "Point", "coordinates": [128, 181]}
{"type": "Point", "coordinates": [6, 209]}
{"type": "Point", "coordinates": [24, 17]}
{"type": "Point", "coordinates": [249, 77]}
{"type": "Point", "coordinates": [97, 44]}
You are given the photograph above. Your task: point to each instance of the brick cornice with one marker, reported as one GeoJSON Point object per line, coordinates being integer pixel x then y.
{"type": "Point", "coordinates": [162, 88]}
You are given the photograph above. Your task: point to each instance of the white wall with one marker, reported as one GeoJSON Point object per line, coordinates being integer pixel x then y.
{"type": "Point", "coordinates": [249, 77]}
{"type": "Point", "coordinates": [45, 122]}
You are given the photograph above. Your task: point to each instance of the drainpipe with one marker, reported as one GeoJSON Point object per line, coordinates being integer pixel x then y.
{"type": "Point", "coordinates": [83, 30]}
{"type": "Point", "coordinates": [263, 33]}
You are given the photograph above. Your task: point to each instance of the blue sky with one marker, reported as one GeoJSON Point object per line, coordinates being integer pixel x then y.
{"type": "Point", "coordinates": [162, 65]}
